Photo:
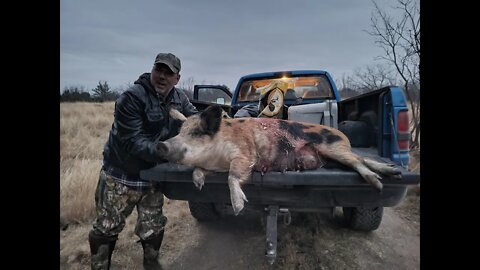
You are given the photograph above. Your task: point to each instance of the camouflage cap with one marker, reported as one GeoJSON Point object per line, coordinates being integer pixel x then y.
{"type": "Point", "coordinates": [170, 60]}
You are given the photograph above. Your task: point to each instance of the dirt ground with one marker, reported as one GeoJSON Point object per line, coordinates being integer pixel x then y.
{"type": "Point", "coordinates": [311, 241]}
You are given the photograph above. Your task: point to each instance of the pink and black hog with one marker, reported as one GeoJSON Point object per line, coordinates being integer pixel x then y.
{"type": "Point", "coordinates": [242, 145]}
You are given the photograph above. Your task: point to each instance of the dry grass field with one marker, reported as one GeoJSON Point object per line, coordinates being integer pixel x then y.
{"type": "Point", "coordinates": [84, 129]}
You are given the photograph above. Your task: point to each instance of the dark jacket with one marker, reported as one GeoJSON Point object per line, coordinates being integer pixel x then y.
{"type": "Point", "coordinates": [141, 120]}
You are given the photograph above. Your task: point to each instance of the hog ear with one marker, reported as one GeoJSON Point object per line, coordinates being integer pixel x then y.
{"type": "Point", "coordinates": [210, 119]}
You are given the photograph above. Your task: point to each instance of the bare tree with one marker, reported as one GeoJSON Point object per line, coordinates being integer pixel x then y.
{"type": "Point", "coordinates": [187, 86]}
{"type": "Point", "coordinates": [400, 40]}
{"type": "Point", "coordinates": [346, 87]}
{"type": "Point", "coordinates": [372, 77]}
{"type": "Point", "coordinates": [122, 88]}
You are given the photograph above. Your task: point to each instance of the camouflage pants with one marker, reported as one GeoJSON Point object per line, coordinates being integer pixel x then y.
{"type": "Point", "coordinates": [115, 202]}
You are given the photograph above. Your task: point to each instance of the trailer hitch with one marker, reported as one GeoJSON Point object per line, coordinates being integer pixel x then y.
{"type": "Point", "coordinates": [272, 212]}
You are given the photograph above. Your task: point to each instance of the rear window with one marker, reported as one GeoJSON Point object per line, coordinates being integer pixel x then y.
{"type": "Point", "coordinates": [304, 87]}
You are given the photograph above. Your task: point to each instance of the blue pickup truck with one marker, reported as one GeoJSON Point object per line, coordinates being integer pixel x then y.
{"type": "Point", "coordinates": [376, 123]}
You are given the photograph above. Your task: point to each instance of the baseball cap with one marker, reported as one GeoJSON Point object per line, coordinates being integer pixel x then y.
{"type": "Point", "coordinates": [170, 60]}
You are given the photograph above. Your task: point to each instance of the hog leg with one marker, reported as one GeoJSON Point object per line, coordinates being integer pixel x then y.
{"type": "Point", "coordinates": [355, 162]}
{"type": "Point", "coordinates": [199, 177]}
{"type": "Point", "coordinates": [383, 168]}
{"type": "Point", "coordinates": [239, 172]}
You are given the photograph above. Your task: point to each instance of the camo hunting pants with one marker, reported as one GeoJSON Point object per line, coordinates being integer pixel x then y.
{"type": "Point", "coordinates": [115, 202]}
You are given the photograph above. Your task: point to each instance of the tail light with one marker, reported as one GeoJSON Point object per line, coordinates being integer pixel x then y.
{"type": "Point", "coordinates": [403, 130]}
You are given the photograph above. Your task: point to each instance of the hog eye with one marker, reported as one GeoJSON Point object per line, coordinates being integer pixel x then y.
{"type": "Point", "coordinates": [197, 133]}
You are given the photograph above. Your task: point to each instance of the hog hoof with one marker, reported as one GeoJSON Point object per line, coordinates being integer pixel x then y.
{"type": "Point", "coordinates": [396, 171]}
{"type": "Point", "coordinates": [378, 186]}
{"type": "Point", "coordinates": [397, 176]}
{"type": "Point", "coordinates": [238, 201]}
{"type": "Point", "coordinates": [237, 207]}
{"type": "Point", "coordinates": [198, 179]}
{"type": "Point", "coordinates": [373, 179]}
{"type": "Point", "coordinates": [198, 184]}
{"type": "Point", "coordinates": [391, 170]}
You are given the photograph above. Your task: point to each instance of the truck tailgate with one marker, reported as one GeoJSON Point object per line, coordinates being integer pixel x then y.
{"type": "Point", "coordinates": [169, 172]}
{"type": "Point", "coordinates": [332, 175]}
{"type": "Point", "coordinates": [312, 189]}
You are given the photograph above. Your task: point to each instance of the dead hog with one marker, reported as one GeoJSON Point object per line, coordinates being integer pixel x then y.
{"type": "Point", "coordinates": [243, 145]}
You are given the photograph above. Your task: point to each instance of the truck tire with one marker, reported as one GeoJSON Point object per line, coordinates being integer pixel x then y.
{"type": "Point", "coordinates": [363, 218]}
{"type": "Point", "coordinates": [203, 211]}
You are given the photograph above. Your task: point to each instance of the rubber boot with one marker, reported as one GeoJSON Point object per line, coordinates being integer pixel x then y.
{"type": "Point", "coordinates": [101, 248]}
{"type": "Point", "coordinates": [151, 249]}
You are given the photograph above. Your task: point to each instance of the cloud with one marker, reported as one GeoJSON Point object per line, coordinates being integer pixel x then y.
{"type": "Point", "coordinates": [218, 42]}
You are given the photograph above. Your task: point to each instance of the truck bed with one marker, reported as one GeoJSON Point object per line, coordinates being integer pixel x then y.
{"type": "Point", "coordinates": [328, 186]}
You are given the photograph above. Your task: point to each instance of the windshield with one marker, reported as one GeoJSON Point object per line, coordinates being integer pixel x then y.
{"type": "Point", "coordinates": [305, 87]}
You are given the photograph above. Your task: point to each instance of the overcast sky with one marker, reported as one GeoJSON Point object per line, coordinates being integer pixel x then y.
{"type": "Point", "coordinates": [217, 41]}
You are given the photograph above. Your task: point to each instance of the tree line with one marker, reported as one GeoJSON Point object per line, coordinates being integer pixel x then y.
{"type": "Point", "coordinates": [104, 93]}
{"type": "Point", "coordinates": [101, 93]}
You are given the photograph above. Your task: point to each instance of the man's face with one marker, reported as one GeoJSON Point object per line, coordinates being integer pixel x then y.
{"type": "Point", "coordinates": [163, 79]}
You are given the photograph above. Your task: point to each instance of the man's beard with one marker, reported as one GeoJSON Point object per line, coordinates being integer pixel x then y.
{"type": "Point", "coordinates": [162, 93]}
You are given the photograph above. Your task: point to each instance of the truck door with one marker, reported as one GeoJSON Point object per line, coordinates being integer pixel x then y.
{"type": "Point", "coordinates": [206, 95]}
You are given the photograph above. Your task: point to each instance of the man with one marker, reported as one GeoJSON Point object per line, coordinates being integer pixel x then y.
{"type": "Point", "coordinates": [141, 119]}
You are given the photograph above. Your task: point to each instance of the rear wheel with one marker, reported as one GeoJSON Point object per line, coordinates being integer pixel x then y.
{"type": "Point", "coordinates": [363, 218]}
{"type": "Point", "coordinates": [203, 211]}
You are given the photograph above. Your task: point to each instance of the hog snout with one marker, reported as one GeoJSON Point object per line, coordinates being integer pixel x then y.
{"type": "Point", "coordinates": [171, 151]}
{"type": "Point", "coordinates": [162, 149]}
